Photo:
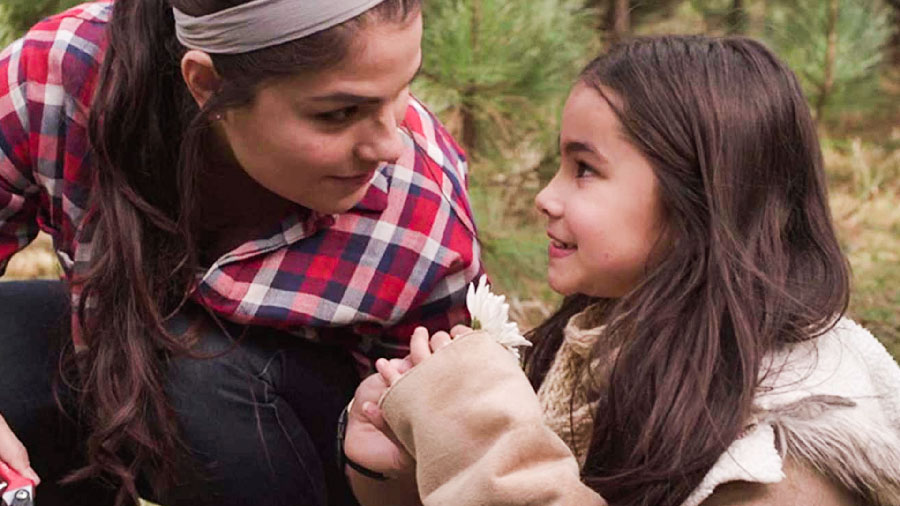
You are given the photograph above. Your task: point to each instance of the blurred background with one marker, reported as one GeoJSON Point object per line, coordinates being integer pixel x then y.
{"type": "Point", "coordinates": [497, 73]}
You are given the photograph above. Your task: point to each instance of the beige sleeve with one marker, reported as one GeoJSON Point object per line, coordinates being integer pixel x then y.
{"type": "Point", "coordinates": [472, 421]}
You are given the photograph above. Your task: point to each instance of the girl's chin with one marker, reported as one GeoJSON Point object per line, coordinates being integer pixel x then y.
{"type": "Point", "coordinates": [559, 286]}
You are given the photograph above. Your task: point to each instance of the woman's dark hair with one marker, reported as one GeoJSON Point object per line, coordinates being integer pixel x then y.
{"type": "Point", "coordinates": [751, 260]}
{"type": "Point", "coordinates": [150, 141]}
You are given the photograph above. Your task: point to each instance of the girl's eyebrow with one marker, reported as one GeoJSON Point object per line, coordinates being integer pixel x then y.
{"type": "Point", "coordinates": [575, 147]}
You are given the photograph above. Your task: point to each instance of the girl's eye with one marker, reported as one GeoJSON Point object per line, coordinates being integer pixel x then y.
{"type": "Point", "coordinates": [583, 170]}
{"type": "Point", "coordinates": [338, 116]}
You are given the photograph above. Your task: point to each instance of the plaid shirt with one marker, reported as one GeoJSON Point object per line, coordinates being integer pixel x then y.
{"type": "Point", "coordinates": [400, 258]}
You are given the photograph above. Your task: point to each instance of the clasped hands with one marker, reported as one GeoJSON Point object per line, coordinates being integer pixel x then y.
{"type": "Point", "coordinates": [369, 441]}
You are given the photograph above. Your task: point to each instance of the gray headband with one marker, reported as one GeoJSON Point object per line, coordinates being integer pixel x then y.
{"type": "Point", "coordinates": [263, 23]}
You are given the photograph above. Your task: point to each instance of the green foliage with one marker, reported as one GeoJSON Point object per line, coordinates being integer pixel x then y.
{"type": "Point", "coordinates": [864, 178]}
{"type": "Point", "coordinates": [798, 31]}
{"type": "Point", "coordinates": [723, 15]}
{"type": "Point", "coordinates": [649, 11]}
{"type": "Point", "coordinates": [505, 66]}
{"type": "Point", "coordinates": [19, 15]}
{"type": "Point", "coordinates": [514, 249]}
{"type": "Point", "coordinates": [497, 71]}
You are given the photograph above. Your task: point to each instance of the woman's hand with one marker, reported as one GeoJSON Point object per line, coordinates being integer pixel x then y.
{"type": "Point", "coordinates": [13, 453]}
{"type": "Point", "coordinates": [369, 441]}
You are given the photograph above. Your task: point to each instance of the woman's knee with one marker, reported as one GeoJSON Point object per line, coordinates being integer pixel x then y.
{"type": "Point", "coordinates": [245, 439]}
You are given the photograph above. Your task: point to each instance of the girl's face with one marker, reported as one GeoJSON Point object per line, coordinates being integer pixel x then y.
{"type": "Point", "coordinates": [317, 139]}
{"type": "Point", "coordinates": [602, 206]}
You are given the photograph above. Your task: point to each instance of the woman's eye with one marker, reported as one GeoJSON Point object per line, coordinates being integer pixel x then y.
{"type": "Point", "coordinates": [339, 116]}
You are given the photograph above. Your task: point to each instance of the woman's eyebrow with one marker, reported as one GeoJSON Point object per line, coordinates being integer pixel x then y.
{"type": "Point", "coordinates": [355, 99]}
{"type": "Point", "coordinates": [348, 98]}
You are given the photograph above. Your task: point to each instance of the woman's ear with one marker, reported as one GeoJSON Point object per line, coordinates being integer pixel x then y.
{"type": "Point", "coordinates": [199, 75]}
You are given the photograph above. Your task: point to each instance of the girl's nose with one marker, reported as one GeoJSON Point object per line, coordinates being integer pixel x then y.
{"type": "Point", "coordinates": [547, 202]}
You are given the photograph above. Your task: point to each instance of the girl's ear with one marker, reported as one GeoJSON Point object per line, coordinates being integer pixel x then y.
{"type": "Point", "coordinates": [199, 75]}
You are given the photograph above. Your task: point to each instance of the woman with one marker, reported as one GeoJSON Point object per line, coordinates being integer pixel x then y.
{"type": "Point", "coordinates": [212, 170]}
{"type": "Point", "coordinates": [700, 355]}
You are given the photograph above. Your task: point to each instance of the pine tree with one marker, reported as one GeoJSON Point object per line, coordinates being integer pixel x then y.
{"type": "Point", "coordinates": [497, 71]}
{"type": "Point", "coordinates": [736, 19]}
{"type": "Point", "coordinates": [723, 16]}
{"type": "Point", "coordinates": [835, 47]}
{"type": "Point", "coordinates": [620, 19]}
{"type": "Point", "coordinates": [19, 15]}
{"type": "Point", "coordinates": [895, 38]}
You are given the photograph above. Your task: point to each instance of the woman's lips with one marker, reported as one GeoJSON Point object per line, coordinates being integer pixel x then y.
{"type": "Point", "coordinates": [355, 180]}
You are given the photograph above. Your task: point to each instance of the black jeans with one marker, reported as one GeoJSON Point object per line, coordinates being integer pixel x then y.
{"type": "Point", "coordinates": [259, 414]}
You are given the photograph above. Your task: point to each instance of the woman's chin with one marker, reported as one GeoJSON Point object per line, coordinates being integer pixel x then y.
{"type": "Point", "coordinates": [333, 202]}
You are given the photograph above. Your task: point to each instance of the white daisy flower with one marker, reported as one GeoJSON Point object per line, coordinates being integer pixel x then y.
{"type": "Point", "coordinates": [490, 312]}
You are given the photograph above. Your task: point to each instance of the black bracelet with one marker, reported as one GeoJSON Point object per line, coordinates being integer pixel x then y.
{"type": "Point", "coordinates": [343, 460]}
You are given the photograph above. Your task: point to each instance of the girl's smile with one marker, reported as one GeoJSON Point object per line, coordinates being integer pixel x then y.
{"type": "Point", "coordinates": [559, 249]}
{"type": "Point", "coordinates": [602, 206]}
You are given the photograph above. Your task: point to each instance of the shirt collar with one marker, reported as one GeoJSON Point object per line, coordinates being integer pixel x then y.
{"type": "Point", "coordinates": [376, 198]}
{"type": "Point", "coordinates": [305, 222]}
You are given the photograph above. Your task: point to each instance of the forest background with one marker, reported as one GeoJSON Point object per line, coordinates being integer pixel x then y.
{"type": "Point", "coordinates": [497, 73]}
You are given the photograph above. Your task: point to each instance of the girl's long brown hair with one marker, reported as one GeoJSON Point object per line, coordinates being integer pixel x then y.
{"type": "Point", "coordinates": [752, 261]}
{"type": "Point", "coordinates": [150, 141]}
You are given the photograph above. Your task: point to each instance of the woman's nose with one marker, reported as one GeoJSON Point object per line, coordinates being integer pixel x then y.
{"type": "Point", "coordinates": [384, 143]}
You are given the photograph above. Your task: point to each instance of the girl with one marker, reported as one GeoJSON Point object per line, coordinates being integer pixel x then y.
{"type": "Point", "coordinates": [700, 355]}
{"type": "Point", "coordinates": [218, 175]}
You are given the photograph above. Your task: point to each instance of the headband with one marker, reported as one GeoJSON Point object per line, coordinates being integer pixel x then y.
{"type": "Point", "coordinates": [263, 23]}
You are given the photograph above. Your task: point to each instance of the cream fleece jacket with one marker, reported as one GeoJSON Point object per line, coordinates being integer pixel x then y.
{"type": "Point", "coordinates": [472, 421]}
{"type": "Point", "coordinates": [474, 424]}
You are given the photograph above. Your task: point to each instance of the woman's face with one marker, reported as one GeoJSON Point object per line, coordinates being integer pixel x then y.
{"type": "Point", "coordinates": [317, 139]}
{"type": "Point", "coordinates": [603, 211]}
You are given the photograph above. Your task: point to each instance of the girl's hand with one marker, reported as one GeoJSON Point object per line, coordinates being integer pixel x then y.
{"type": "Point", "coordinates": [13, 453]}
{"type": "Point", "coordinates": [420, 348]}
{"type": "Point", "coordinates": [369, 441]}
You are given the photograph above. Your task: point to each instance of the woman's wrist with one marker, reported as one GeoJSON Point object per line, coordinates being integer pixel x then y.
{"type": "Point", "coordinates": [399, 491]}
{"type": "Point", "coordinates": [343, 461]}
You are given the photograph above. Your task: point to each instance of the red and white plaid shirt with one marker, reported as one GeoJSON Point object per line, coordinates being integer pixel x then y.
{"type": "Point", "coordinates": [402, 257]}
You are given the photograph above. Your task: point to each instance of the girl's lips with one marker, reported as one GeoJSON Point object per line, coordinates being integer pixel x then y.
{"type": "Point", "coordinates": [557, 251]}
